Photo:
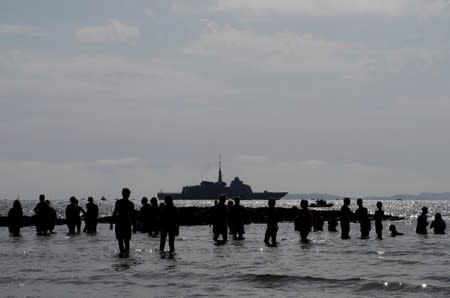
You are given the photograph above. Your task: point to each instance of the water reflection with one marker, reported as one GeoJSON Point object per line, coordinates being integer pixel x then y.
{"type": "Point", "coordinates": [125, 264]}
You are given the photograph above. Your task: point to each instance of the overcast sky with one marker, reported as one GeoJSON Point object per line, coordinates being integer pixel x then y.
{"type": "Point", "coordinates": [349, 97]}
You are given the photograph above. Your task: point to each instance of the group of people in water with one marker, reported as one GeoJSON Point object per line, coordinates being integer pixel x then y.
{"type": "Point", "coordinates": [362, 216]}
{"type": "Point", "coordinates": [155, 219]}
{"type": "Point", "coordinates": [227, 218]}
{"type": "Point", "coordinates": [45, 217]}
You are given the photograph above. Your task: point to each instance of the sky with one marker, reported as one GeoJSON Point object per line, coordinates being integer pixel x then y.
{"type": "Point", "coordinates": [347, 97]}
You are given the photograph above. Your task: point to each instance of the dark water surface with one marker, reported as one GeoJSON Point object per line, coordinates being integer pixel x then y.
{"type": "Point", "coordinates": [88, 265]}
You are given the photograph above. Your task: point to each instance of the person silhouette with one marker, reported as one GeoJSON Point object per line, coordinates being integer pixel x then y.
{"type": "Point", "coordinates": [230, 205]}
{"type": "Point", "coordinates": [125, 220]}
{"type": "Point", "coordinates": [422, 222]}
{"type": "Point", "coordinates": [362, 215]}
{"type": "Point", "coordinates": [237, 219]}
{"type": "Point", "coordinates": [394, 231]}
{"type": "Point", "coordinates": [332, 224]}
{"type": "Point", "coordinates": [346, 216]}
{"type": "Point", "coordinates": [438, 224]}
{"type": "Point", "coordinates": [144, 216]}
{"type": "Point", "coordinates": [52, 217]}
{"type": "Point", "coordinates": [272, 223]}
{"type": "Point", "coordinates": [303, 221]}
{"type": "Point", "coordinates": [91, 216]}
{"type": "Point", "coordinates": [318, 222]}
{"type": "Point", "coordinates": [78, 215]}
{"type": "Point", "coordinates": [219, 218]}
{"type": "Point", "coordinates": [72, 215]}
{"type": "Point", "coordinates": [42, 212]}
{"type": "Point", "coordinates": [169, 226]}
{"type": "Point", "coordinates": [15, 217]}
{"type": "Point", "coordinates": [378, 217]}
{"type": "Point", "coordinates": [154, 215]}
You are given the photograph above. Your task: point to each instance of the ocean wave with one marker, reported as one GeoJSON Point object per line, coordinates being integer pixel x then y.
{"type": "Point", "coordinates": [283, 278]}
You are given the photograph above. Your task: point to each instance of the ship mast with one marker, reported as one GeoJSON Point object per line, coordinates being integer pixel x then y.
{"type": "Point", "coordinates": [220, 169]}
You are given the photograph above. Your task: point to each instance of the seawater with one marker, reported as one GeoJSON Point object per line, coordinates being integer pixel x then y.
{"type": "Point", "coordinates": [88, 265]}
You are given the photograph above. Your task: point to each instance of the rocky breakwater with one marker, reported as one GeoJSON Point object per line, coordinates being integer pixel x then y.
{"type": "Point", "coordinates": [190, 216]}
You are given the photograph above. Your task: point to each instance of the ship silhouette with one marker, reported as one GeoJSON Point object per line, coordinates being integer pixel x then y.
{"type": "Point", "coordinates": [209, 190]}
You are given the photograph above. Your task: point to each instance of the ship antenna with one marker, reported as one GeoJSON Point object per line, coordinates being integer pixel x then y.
{"type": "Point", "coordinates": [220, 169]}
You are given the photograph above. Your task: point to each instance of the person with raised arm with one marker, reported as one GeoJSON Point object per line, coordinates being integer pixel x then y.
{"type": "Point", "coordinates": [378, 217]}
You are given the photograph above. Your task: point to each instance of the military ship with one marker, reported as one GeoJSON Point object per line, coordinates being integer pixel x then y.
{"type": "Point", "coordinates": [209, 190]}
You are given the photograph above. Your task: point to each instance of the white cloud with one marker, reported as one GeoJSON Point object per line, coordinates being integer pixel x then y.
{"type": "Point", "coordinates": [278, 52]}
{"type": "Point", "coordinates": [7, 29]}
{"type": "Point", "coordinates": [113, 31]}
{"type": "Point", "coordinates": [333, 7]}
{"type": "Point", "coordinates": [290, 52]}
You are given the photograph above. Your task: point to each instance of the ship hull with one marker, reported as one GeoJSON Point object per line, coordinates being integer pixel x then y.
{"type": "Point", "coordinates": [254, 196]}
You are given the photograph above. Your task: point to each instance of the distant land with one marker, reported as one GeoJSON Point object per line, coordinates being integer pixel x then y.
{"type": "Point", "coordinates": [422, 196]}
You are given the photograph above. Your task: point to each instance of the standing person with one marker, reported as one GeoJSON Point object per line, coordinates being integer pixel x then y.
{"type": "Point", "coordinates": [80, 211]}
{"type": "Point", "coordinates": [346, 216]}
{"type": "Point", "coordinates": [230, 205]}
{"type": "Point", "coordinates": [154, 217]}
{"type": "Point", "coordinates": [272, 223]}
{"type": "Point", "coordinates": [318, 222]}
{"type": "Point", "coordinates": [42, 216]}
{"type": "Point", "coordinates": [144, 216]}
{"type": "Point", "coordinates": [438, 224]}
{"type": "Point", "coordinates": [91, 216]}
{"type": "Point", "coordinates": [422, 222]}
{"type": "Point", "coordinates": [169, 226]}
{"type": "Point", "coordinates": [72, 215]}
{"type": "Point", "coordinates": [219, 217]}
{"type": "Point", "coordinates": [15, 216]}
{"type": "Point", "coordinates": [378, 216]}
{"type": "Point", "coordinates": [303, 221]}
{"type": "Point", "coordinates": [362, 215]}
{"type": "Point", "coordinates": [52, 217]}
{"type": "Point", "coordinates": [236, 218]}
{"type": "Point", "coordinates": [124, 217]}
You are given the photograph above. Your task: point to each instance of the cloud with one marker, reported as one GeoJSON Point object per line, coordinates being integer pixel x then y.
{"type": "Point", "coordinates": [113, 31]}
{"type": "Point", "coordinates": [103, 76]}
{"type": "Point", "coordinates": [278, 52]}
{"type": "Point", "coordinates": [251, 159]}
{"type": "Point", "coordinates": [392, 8]}
{"type": "Point", "coordinates": [290, 52]}
{"type": "Point", "coordinates": [122, 162]}
{"type": "Point", "coordinates": [11, 30]}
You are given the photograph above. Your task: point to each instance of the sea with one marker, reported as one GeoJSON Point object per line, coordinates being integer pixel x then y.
{"type": "Point", "coordinates": [89, 266]}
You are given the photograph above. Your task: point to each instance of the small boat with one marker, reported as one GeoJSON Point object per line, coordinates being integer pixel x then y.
{"type": "Point", "coordinates": [321, 203]}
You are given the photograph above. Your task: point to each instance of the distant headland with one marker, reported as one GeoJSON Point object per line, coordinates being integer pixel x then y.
{"type": "Point", "coordinates": [422, 196]}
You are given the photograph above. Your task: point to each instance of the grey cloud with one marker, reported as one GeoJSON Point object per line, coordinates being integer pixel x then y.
{"type": "Point", "coordinates": [113, 31]}
{"type": "Point", "coordinates": [392, 8]}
